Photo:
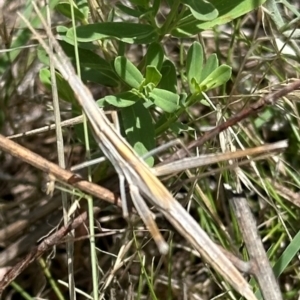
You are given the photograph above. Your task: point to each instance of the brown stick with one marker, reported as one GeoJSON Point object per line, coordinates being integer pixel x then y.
{"type": "Point", "coordinates": [253, 109]}
{"type": "Point", "coordinates": [258, 257]}
{"type": "Point", "coordinates": [38, 251]}
{"type": "Point", "coordinates": [60, 174]}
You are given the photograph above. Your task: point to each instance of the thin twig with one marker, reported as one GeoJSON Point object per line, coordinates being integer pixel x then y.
{"type": "Point", "coordinates": [62, 164]}
{"type": "Point", "coordinates": [269, 99]}
{"type": "Point", "coordinates": [70, 122]}
{"type": "Point", "coordinates": [44, 246]}
{"type": "Point", "coordinates": [20, 225]}
{"type": "Point", "coordinates": [260, 263]}
{"type": "Point", "coordinates": [64, 176]}
{"type": "Point", "coordinates": [26, 242]}
{"type": "Point", "coordinates": [209, 159]}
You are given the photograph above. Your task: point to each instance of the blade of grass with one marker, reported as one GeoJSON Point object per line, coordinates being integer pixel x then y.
{"type": "Point", "coordinates": [90, 202]}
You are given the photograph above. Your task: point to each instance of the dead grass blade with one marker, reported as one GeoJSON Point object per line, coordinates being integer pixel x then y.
{"type": "Point", "coordinates": [209, 159]}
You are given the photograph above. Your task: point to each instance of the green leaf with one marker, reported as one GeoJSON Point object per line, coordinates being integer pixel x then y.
{"type": "Point", "coordinates": [228, 11]}
{"type": "Point", "coordinates": [264, 117]}
{"type": "Point", "coordinates": [86, 56]}
{"type": "Point", "coordinates": [83, 6]}
{"type": "Point", "coordinates": [289, 253]}
{"type": "Point", "coordinates": [155, 7]}
{"type": "Point", "coordinates": [194, 64]}
{"type": "Point", "coordinates": [155, 55]}
{"type": "Point", "coordinates": [166, 100]}
{"type": "Point", "coordinates": [169, 77]}
{"type": "Point", "coordinates": [128, 72]}
{"type": "Point", "coordinates": [201, 10]}
{"type": "Point", "coordinates": [93, 67]}
{"type": "Point", "coordinates": [137, 13]}
{"type": "Point", "coordinates": [62, 31]}
{"type": "Point", "coordinates": [179, 128]}
{"type": "Point", "coordinates": [147, 12]}
{"type": "Point", "coordinates": [211, 64]}
{"type": "Point", "coordinates": [65, 9]}
{"type": "Point", "coordinates": [131, 33]}
{"type": "Point", "coordinates": [64, 90]}
{"type": "Point", "coordinates": [139, 129]}
{"type": "Point", "coordinates": [152, 76]}
{"type": "Point", "coordinates": [42, 55]}
{"type": "Point", "coordinates": [95, 73]}
{"type": "Point", "coordinates": [121, 100]}
{"type": "Point", "coordinates": [282, 264]}
{"type": "Point", "coordinates": [218, 77]}
{"type": "Point", "coordinates": [142, 3]}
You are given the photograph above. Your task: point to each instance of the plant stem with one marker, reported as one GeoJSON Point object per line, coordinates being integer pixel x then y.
{"type": "Point", "coordinates": [171, 18]}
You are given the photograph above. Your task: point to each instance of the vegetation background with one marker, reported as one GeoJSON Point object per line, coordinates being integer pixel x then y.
{"type": "Point", "coordinates": [189, 66]}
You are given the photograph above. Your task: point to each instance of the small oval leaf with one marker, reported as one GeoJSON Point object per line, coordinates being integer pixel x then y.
{"type": "Point", "coordinates": [64, 90]}
{"type": "Point", "coordinates": [128, 72]}
{"type": "Point", "coordinates": [152, 76]}
{"type": "Point", "coordinates": [211, 64]}
{"type": "Point", "coordinates": [139, 129]}
{"type": "Point", "coordinates": [194, 64]}
{"type": "Point", "coordinates": [65, 9]}
{"type": "Point", "coordinates": [166, 100]}
{"type": "Point", "coordinates": [169, 77]}
{"type": "Point", "coordinates": [218, 77]}
{"type": "Point", "coordinates": [201, 10]}
{"type": "Point", "coordinates": [228, 11]}
{"type": "Point", "coordinates": [121, 100]}
{"type": "Point", "coordinates": [155, 55]}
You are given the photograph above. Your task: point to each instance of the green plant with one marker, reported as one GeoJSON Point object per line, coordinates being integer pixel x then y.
{"type": "Point", "coordinates": [147, 95]}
